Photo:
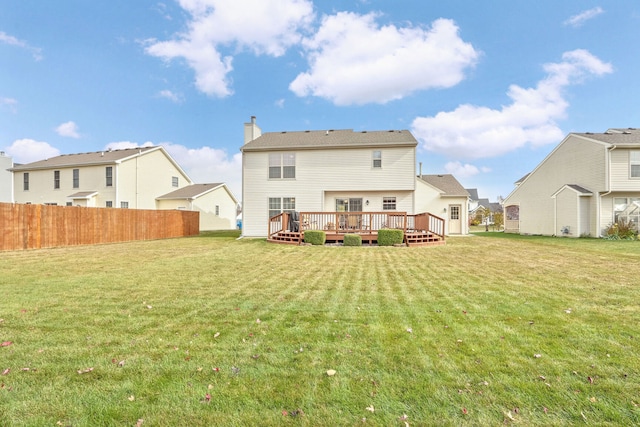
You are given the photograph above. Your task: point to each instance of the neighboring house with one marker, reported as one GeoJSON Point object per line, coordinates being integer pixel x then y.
{"type": "Point", "coordinates": [330, 171]}
{"type": "Point", "coordinates": [215, 202]}
{"type": "Point", "coordinates": [588, 182]}
{"type": "Point", "coordinates": [444, 196]}
{"type": "Point", "coordinates": [473, 200]}
{"type": "Point", "coordinates": [6, 178]}
{"type": "Point", "coordinates": [128, 178]}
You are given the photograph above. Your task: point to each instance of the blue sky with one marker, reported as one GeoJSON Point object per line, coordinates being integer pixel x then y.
{"type": "Point", "coordinates": [487, 88]}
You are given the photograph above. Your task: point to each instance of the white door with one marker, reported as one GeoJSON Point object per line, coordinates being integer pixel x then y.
{"type": "Point", "coordinates": [455, 222]}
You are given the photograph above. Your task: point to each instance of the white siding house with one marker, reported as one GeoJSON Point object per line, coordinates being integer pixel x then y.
{"type": "Point", "coordinates": [586, 183]}
{"type": "Point", "coordinates": [215, 202]}
{"type": "Point", "coordinates": [444, 196]}
{"type": "Point", "coordinates": [327, 171]}
{"type": "Point", "coordinates": [129, 178]}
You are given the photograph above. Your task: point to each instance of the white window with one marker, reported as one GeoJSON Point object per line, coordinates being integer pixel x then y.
{"type": "Point", "coordinates": [377, 159]}
{"type": "Point", "coordinates": [109, 204]}
{"type": "Point", "coordinates": [174, 181]}
{"type": "Point", "coordinates": [109, 176]}
{"type": "Point", "coordinates": [282, 165]}
{"type": "Point", "coordinates": [634, 163]}
{"type": "Point", "coordinates": [56, 179]}
{"type": "Point", "coordinates": [389, 203]}
{"type": "Point", "coordinates": [277, 205]}
{"type": "Point", "coordinates": [76, 178]}
{"type": "Point", "coordinates": [25, 181]}
{"type": "Point", "coordinates": [217, 210]}
{"type": "Point", "coordinates": [124, 205]}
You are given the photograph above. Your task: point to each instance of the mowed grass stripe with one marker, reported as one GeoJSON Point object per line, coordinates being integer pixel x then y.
{"type": "Point", "coordinates": [446, 335]}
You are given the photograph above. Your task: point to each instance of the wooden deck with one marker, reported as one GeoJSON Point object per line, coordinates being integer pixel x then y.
{"type": "Point", "coordinates": [422, 229]}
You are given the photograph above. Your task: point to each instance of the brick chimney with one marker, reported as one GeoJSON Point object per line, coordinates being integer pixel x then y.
{"type": "Point", "coordinates": [251, 130]}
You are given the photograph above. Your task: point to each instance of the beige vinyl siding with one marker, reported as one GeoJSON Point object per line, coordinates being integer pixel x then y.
{"type": "Point", "coordinates": [92, 178]}
{"type": "Point", "coordinates": [206, 206]}
{"type": "Point", "coordinates": [320, 172]}
{"type": "Point", "coordinates": [141, 179]}
{"type": "Point", "coordinates": [6, 179]}
{"type": "Point", "coordinates": [620, 173]}
{"type": "Point", "coordinates": [567, 205]}
{"type": "Point", "coordinates": [574, 161]}
{"type": "Point", "coordinates": [585, 225]}
{"type": "Point", "coordinates": [428, 199]}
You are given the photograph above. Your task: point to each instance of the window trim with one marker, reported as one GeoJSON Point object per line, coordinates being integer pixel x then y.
{"type": "Point", "coordinates": [376, 159]}
{"type": "Point", "coordinates": [175, 181]}
{"type": "Point", "coordinates": [387, 203]}
{"type": "Point", "coordinates": [108, 176]}
{"type": "Point", "coordinates": [634, 163]}
{"type": "Point", "coordinates": [284, 204]}
{"type": "Point", "coordinates": [56, 179]}
{"type": "Point", "coordinates": [76, 178]}
{"type": "Point", "coordinates": [282, 165]}
{"type": "Point", "coordinates": [25, 181]}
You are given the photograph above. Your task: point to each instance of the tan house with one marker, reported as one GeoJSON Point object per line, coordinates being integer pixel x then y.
{"type": "Point", "coordinates": [443, 195]}
{"type": "Point", "coordinates": [588, 182]}
{"type": "Point", "coordinates": [215, 202]}
{"type": "Point", "coordinates": [332, 171]}
{"type": "Point", "coordinates": [129, 178]}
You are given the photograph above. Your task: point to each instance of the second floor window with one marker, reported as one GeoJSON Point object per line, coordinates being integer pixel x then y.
{"type": "Point", "coordinates": [109, 176]}
{"type": "Point", "coordinates": [76, 178]}
{"type": "Point", "coordinates": [634, 163]}
{"type": "Point", "coordinates": [174, 181]}
{"type": "Point", "coordinates": [282, 165]}
{"type": "Point", "coordinates": [25, 181]}
{"type": "Point", "coordinates": [56, 179]}
{"type": "Point", "coordinates": [376, 157]}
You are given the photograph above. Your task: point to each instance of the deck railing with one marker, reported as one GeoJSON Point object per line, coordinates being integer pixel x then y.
{"type": "Point", "coordinates": [363, 223]}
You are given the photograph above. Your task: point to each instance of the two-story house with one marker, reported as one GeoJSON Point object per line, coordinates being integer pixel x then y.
{"type": "Point", "coordinates": [329, 171]}
{"type": "Point", "coordinates": [129, 178]}
{"type": "Point", "coordinates": [588, 182]}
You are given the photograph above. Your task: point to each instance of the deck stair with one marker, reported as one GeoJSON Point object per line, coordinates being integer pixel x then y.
{"type": "Point", "coordinates": [287, 237]}
{"type": "Point", "coordinates": [421, 238]}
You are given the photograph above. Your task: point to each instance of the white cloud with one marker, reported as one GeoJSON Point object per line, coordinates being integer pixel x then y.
{"type": "Point", "coordinates": [466, 170]}
{"type": "Point", "coordinates": [354, 60]}
{"type": "Point", "coordinates": [261, 26]}
{"type": "Point", "coordinates": [472, 131]}
{"type": "Point", "coordinates": [9, 103]}
{"type": "Point", "coordinates": [279, 103]}
{"type": "Point", "coordinates": [12, 41]}
{"type": "Point", "coordinates": [171, 96]}
{"type": "Point", "coordinates": [579, 19]}
{"type": "Point", "coordinates": [29, 150]}
{"type": "Point", "coordinates": [68, 129]}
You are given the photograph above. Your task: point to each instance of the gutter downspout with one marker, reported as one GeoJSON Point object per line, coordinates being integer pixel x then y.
{"type": "Point", "coordinates": [609, 191]}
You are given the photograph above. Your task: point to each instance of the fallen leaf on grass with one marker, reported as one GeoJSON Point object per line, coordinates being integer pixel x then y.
{"type": "Point", "coordinates": [593, 400]}
{"type": "Point", "coordinates": [331, 372]}
{"type": "Point", "coordinates": [545, 409]}
{"type": "Point", "coordinates": [409, 330]}
{"type": "Point", "coordinates": [216, 369]}
{"type": "Point", "coordinates": [207, 398]}
{"type": "Point", "coordinates": [590, 380]}
{"type": "Point", "coordinates": [6, 371]}
{"type": "Point", "coordinates": [568, 311]}
{"type": "Point", "coordinates": [131, 398]}
{"type": "Point", "coordinates": [6, 344]}
{"type": "Point", "coordinates": [139, 423]}
{"type": "Point", "coordinates": [464, 411]}
{"type": "Point", "coordinates": [508, 415]}
{"type": "Point", "coordinates": [216, 335]}
{"type": "Point", "coordinates": [370, 408]}
{"type": "Point", "coordinates": [537, 355]}
{"type": "Point", "coordinates": [255, 356]}
{"type": "Point", "coordinates": [85, 371]}
{"type": "Point", "coordinates": [404, 417]}
{"type": "Point", "coordinates": [258, 321]}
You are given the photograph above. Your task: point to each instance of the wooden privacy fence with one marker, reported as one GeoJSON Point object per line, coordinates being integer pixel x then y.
{"type": "Point", "coordinates": [45, 226]}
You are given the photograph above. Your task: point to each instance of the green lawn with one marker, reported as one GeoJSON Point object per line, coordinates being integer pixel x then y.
{"type": "Point", "coordinates": [210, 330]}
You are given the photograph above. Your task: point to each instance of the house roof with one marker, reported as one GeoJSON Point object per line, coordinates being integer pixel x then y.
{"type": "Point", "coordinates": [345, 138]}
{"type": "Point", "coordinates": [473, 193]}
{"type": "Point", "coordinates": [84, 159]}
{"type": "Point", "coordinates": [619, 137]}
{"type": "Point", "coordinates": [447, 183]}
{"type": "Point", "coordinates": [580, 189]}
{"type": "Point", "coordinates": [194, 191]}
{"type": "Point", "coordinates": [83, 195]}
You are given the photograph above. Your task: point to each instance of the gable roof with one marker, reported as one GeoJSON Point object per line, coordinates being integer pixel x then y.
{"type": "Point", "coordinates": [578, 189]}
{"type": "Point", "coordinates": [194, 191]}
{"type": "Point", "coordinates": [447, 183]}
{"type": "Point", "coordinates": [345, 138]}
{"type": "Point", "coordinates": [85, 159]}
